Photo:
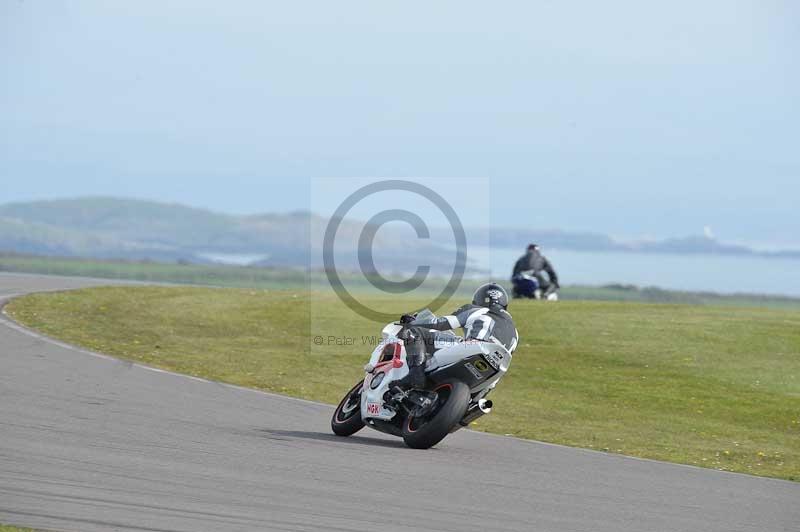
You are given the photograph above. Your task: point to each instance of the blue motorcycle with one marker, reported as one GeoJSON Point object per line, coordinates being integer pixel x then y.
{"type": "Point", "coordinates": [527, 285]}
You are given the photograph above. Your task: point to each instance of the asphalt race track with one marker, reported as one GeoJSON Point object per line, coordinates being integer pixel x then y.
{"type": "Point", "coordinates": [92, 443]}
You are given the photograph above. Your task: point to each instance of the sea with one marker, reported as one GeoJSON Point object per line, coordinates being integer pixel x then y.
{"type": "Point", "coordinates": [724, 274]}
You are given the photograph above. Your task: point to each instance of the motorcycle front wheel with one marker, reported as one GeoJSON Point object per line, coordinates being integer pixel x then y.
{"type": "Point", "coordinates": [346, 419]}
{"type": "Point", "coordinates": [427, 431]}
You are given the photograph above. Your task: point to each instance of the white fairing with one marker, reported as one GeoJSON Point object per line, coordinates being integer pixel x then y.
{"type": "Point", "coordinates": [372, 404]}
{"type": "Point", "coordinates": [452, 350]}
{"type": "Point", "coordinates": [490, 350]}
{"type": "Point", "coordinates": [391, 331]}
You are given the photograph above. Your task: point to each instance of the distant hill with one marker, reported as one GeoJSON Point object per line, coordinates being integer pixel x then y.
{"type": "Point", "coordinates": [102, 227]}
{"type": "Point", "coordinates": [554, 239]}
{"type": "Point", "coordinates": [108, 228]}
{"type": "Point", "coordinates": [129, 229]}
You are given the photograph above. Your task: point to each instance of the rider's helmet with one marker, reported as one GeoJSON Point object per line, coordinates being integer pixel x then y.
{"type": "Point", "coordinates": [489, 295]}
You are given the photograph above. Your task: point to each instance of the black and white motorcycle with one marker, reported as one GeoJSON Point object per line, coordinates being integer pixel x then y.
{"type": "Point", "coordinates": [460, 374]}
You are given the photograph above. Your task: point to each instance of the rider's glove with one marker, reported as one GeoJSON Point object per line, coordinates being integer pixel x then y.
{"type": "Point", "coordinates": [407, 318]}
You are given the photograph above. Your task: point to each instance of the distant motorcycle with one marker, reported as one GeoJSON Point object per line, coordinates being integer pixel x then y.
{"type": "Point", "coordinates": [529, 286]}
{"type": "Point", "coordinates": [458, 382]}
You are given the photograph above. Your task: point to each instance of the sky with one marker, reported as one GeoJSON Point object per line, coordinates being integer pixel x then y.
{"type": "Point", "coordinates": [627, 118]}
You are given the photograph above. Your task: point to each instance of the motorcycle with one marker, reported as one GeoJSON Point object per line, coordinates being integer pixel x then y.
{"type": "Point", "coordinates": [529, 286]}
{"type": "Point", "coordinates": [459, 375]}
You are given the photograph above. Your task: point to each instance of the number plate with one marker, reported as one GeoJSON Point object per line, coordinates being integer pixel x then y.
{"type": "Point", "coordinates": [495, 358]}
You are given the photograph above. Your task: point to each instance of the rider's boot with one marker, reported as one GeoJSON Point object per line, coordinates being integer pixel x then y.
{"type": "Point", "coordinates": [414, 379]}
{"type": "Point", "coordinates": [415, 357]}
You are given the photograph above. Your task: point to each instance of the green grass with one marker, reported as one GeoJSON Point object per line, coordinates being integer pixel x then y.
{"type": "Point", "coordinates": [275, 278]}
{"type": "Point", "coordinates": [717, 387]}
{"type": "Point", "coordinates": [9, 528]}
{"type": "Point", "coordinates": [161, 272]}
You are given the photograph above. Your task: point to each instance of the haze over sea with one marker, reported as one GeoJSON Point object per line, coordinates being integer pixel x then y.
{"type": "Point", "coordinates": [713, 273]}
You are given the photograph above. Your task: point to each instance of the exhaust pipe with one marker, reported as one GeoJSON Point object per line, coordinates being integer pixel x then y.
{"type": "Point", "coordinates": [483, 407]}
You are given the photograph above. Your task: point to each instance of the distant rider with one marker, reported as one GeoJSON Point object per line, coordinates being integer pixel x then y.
{"type": "Point", "coordinates": [485, 319]}
{"type": "Point", "coordinates": [533, 263]}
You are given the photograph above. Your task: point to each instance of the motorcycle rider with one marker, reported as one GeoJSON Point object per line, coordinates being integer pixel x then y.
{"type": "Point", "coordinates": [485, 319]}
{"type": "Point", "coordinates": [534, 263]}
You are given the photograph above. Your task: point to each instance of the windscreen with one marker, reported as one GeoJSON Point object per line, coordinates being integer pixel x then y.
{"type": "Point", "coordinates": [426, 316]}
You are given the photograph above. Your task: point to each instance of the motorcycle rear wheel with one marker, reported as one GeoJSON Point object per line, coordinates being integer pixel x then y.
{"type": "Point", "coordinates": [423, 433]}
{"type": "Point", "coordinates": [346, 419]}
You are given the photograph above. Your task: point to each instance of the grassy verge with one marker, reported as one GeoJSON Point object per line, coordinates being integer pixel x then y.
{"type": "Point", "coordinates": [276, 278]}
{"type": "Point", "coordinates": [717, 387]}
{"type": "Point", "coordinates": [9, 528]}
